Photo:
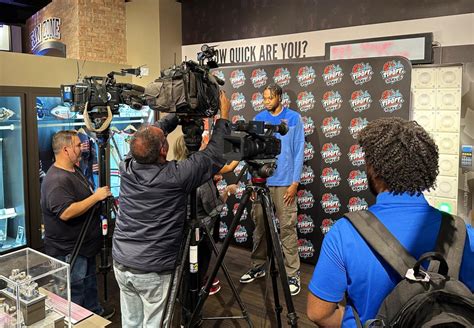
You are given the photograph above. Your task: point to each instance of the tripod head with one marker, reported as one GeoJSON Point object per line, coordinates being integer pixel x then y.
{"type": "Point", "coordinates": [260, 170]}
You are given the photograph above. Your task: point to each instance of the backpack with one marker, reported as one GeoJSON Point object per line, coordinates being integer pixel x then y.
{"type": "Point", "coordinates": [186, 89]}
{"type": "Point", "coordinates": [423, 298]}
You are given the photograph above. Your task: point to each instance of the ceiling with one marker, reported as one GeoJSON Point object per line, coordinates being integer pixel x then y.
{"type": "Point", "coordinates": [16, 12]}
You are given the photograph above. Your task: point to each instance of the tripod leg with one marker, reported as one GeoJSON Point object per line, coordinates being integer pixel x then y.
{"type": "Point", "coordinates": [228, 278]}
{"type": "Point", "coordinates": [175, 284]}
{"type": "Point", "coordinates": [277, 257]}
{"type": "Point", "coordinates": [220, 258]}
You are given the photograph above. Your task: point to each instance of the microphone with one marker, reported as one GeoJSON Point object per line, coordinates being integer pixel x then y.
{"type": "Point", "coordinates": [281, 128]}
{"type": "Point", "coordinates": [130, 86]}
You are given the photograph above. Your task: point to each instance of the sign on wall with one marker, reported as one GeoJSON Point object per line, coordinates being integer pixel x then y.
{"type": "Point", "coordinates": [336, 99]}
{"type": "Point", "coordinates": [46, 36]}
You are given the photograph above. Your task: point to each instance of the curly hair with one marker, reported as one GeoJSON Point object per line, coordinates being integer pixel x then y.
{"type": "Point", "coordinates": [275, 89]}
{"type": "Point", "coordinates": [180, 150]}
{"type": "Point", "coordinates": [401, 153]}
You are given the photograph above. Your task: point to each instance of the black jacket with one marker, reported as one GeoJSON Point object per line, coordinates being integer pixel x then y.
{"type": "Point", "coordinates": [153, 197]}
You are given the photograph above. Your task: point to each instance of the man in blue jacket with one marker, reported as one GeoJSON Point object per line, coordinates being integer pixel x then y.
{"type": "Point", "coordinates": [402, 162]}
{"type": "Point", "coordinates": [149, 227]}
{"type": "Point", "coordinates": [283, 186]}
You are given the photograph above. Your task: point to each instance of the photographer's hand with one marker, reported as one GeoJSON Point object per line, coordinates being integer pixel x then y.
{"type": "Point", "coordinates": [224, 105]}
{"type": "Point", "coordinates": [290, 194]}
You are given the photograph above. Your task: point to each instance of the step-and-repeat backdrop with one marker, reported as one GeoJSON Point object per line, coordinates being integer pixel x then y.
{"type": "Point", "coordinates": [336, 99]}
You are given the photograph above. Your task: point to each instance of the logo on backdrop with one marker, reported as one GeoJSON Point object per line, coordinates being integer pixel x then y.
{"type": "Point", "coordinates": [258, 77]}
{"type": "Point", "coordinates": [285, 100]}
{"type": "Point", "coordinates": [241, 234]}
{"type": "Point", "coordinates": [240, 190]}
{"type": "Point", "coordinates": [224, 211]}
{"type": "Point", "coordinates": [238, 101]}
{"type": "Point", "coordinates": [393, 71]}
{"type": "Point", "coordinates": [305, 101]}
{"type": "Point", "coordinates": [219, 74]}
{"type": "Point", "coordinates": [223, 230]}
{"type": "Point", "coordinates": [237, 78]}
{"type": "Point", "coordinates": [326, 225]}
{"type": "Point", "coordinates": [331, 101]}
{"type": "Point", "coordinates": [391, 100]}
{"type": "Point", "coordinates": [308, 125]}
{"type": "Point", "coordinates": [330, 203]}
{"type": "Point", "coordinates": [330, 177]}
{"type": "Point", "coordinates": [331, 127]}
{"type": "Point", "coordinates": [239, 168]}
{"type": "Point", "coordinates": [361, 73]}
{"type": "Point", "coordinates": [356, 125]}
{"type": "Point", "coordinates": [360, 100]}
{"type": "Point", "coordinates": [306, 76]}
{"type": "Point", "coordinates": [221, 185]}
{"type": "Point", "coordinates": [305, 248]}
{"type": "Point", "coordinates": [332, 74]}
{"type": "Point", "coordinates": [308, 151]}
{"type": "Point", "coordinates": [305, 199]}
{"type": "Point", "coordinates": [357, 204]}
{"type": "Point", "coordinates": [358, 180]}
{"type": "Point", "coordinates": [330, 152]}
{"type": "Point", "coordinates": [307, 175]}
{"type": "Point", "coordinates": [282, 76]}
{"type": "Point", "coordinates": [257, 102]}
{"type": "Point", "coordinates": [244, 213]}
{"type": "Point", "coordinates": [356, 155]}
{"type": "Point", "coordinates": [305, 224]}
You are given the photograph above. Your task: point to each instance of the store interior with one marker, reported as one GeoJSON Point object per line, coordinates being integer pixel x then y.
{"type": "Point", "coordinates": [46, 45]}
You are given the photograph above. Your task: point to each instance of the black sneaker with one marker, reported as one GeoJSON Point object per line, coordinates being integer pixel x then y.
{"type": "Point", "coordinates": [108, 312]}
{"type": "Point", "coordinates": [294, 284]}
{"type": "Point", "coordinates": [252, 274]}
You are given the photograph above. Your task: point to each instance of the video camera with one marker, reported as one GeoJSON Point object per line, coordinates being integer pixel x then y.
{"type": "Point", "coordinates": [103, 91]}
{"type": "Point", "coordinates": [255, 143]}
{"type": "Point", "coordinates": [189, 89]}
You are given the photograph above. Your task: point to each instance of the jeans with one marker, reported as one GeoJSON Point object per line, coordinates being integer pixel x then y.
{"type": "Point", "coordinates": [142, 296]}
{"type": "Point", "coordinates": [84, 283]}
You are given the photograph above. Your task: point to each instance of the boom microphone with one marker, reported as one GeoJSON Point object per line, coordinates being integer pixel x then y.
{"type": "Point", "coordinates": [130, 86]}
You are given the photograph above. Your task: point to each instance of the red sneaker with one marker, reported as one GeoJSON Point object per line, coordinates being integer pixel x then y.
{"type": "Point", "coordinates": [216, 282]}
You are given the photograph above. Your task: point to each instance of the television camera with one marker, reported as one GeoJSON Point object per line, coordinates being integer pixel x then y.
{"type": "Point", "coordinates": [100, 97]}
{"type": "Point", "coordinates": [189, 89]}
{"type": "Point", "coordinates": [256, 144]}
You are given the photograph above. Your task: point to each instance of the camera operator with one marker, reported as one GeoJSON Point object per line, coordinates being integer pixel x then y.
{"type": "Point", "coordinates": [153, 203]}
{"type": "Point", "coordinates": [66, 200]}
{"type": "Point", "coordinates": [283, 187]}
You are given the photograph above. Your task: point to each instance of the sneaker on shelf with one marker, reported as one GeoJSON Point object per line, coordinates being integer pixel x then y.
{"type": "Point", "coordinates": [108, 312]}
{"type": "Point", "coordinates": [252, 274]}
{"type": "Point", "coordinates": [214, 289]}
{"type": "Point", "coordinates": [295, 284]}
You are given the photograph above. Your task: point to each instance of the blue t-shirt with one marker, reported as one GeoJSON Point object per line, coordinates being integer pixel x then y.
{"type": "Point", "coordinates": [346, 263]}
{"type": "Point", "coordinates": [290, 160]}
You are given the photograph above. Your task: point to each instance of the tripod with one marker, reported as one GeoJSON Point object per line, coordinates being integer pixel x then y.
{"type": "Point", "coordinates": [260, 171]}
{"type": "Point", "coordinates": [106, 206]}
{"type": "Point", "coordinates": [192, 130]}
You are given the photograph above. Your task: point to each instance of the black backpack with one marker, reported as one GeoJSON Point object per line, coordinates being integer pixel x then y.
{"type": "Point", "coordinates": [424, 298]}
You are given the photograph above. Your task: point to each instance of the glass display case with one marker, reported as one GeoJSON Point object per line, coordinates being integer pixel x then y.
{"type": "Point", "coordinates": [34, 290]}
{"type": "Point", "coordinates": [12, 184]}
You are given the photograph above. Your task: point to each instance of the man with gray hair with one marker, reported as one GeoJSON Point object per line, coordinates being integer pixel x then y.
{"type": "Point", "coordinates": [67, 198]}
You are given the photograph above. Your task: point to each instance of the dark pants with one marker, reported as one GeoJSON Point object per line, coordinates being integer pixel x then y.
{"type": "Point", "coordinates": [84, 283]}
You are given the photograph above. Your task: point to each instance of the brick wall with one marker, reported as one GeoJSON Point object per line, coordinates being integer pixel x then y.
{"type": "Point", "coordinates": [92, 30]}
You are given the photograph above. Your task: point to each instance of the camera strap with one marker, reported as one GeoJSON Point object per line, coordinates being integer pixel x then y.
{"type": "Point", "coordinates": [92, 125]}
